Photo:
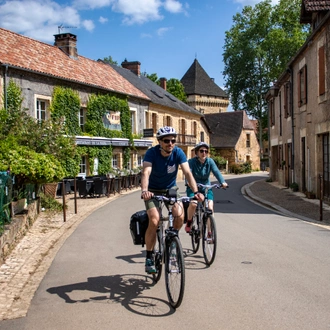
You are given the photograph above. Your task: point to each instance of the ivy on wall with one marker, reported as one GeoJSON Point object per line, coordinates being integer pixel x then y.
{"type": "Point", "coordinates": [66, 105]}
{"type": "Point", "coordinates": [103, 154]}
{"type": "Point", "coordinates": [98, 106]}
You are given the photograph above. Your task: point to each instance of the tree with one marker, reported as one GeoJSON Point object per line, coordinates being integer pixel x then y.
{"type": "Point", "coordinates": [257, 48]}
{"type": "Point", "coordinates": [175, 87]}
{"type": "Point", "coordinates": [153, 77]}
{"type": "Point", "coordinates": [110, 60]}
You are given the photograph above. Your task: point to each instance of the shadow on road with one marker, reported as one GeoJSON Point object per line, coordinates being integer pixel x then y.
{"type": "Point", "coordinates": [125, 289]}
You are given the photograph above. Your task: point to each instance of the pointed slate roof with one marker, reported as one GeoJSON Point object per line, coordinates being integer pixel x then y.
{"type": "Point", "coordinates": [31, 55]}
{"type": "Point", "coordinates": [156, 94]}
{"type": "Point", "coordinates": [226, 127]}
{"type": "Point", "coordinates": [197, 81]}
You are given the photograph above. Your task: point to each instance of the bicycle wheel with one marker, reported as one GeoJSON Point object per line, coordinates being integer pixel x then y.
{"type": "Point", "coordinates": [174, 271]}
{"type": "Point", "coordinates": [158, 255]}
{"type": "Point", "coordinates": [209, 239]}
{"type": "Point", "coordinates": [195, 233]}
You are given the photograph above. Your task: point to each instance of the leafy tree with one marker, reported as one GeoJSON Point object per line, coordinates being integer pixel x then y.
{"type": "Point", "coordinates": [175, 87]}
{"type": "Point", "coordinates": [110, 60]}
{"type": "Point", "coordinates": [257, 48]}
{"type": "Point", "coordinates": [153, 77]}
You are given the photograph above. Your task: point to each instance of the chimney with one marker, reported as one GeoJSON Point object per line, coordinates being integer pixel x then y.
{"type": "Point", "coordinates": [163, 83]}
{"type": "Point", "coordinates": [67, 42]}
{"type": "Point", "coordinates": [132, 66]}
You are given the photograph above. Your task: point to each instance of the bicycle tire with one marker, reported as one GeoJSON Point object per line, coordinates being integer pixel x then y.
{"type": "Point", "coordinates": [158, 255]}
{"type": "Point", "coordinates": [209, 243]}
{"type": "Point", "coordinates": [195, 233]}
{"type": "Point", "coordinates": [174, 271]}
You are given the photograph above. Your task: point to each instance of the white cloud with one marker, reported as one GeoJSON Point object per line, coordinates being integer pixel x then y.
{"type": "Point", "coordinates": [103, 20]}
{"type": "Point", "coordinates": [145, 35]}
{"type": "Point", "coordinates": [173, 6]}
{"type": "Point", "coordinates": [36, 18]}
{"type": "Point", "coordinates": [88, 25]}
{"type": "Point", "coordinates": [162, 31]}
{"type": "Point", "coordinates": [138, 11]}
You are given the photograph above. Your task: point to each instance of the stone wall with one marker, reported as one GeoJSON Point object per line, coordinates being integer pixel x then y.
{"type": "Point", "coordinates": [14, 231]}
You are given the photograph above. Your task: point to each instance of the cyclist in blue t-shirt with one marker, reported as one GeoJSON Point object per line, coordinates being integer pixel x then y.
{"type": "Point", "coordinates": [160, 168]}
{"type": "Point", "coordinates": [201, 166]}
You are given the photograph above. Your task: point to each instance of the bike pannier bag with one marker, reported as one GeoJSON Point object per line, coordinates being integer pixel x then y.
{"type": "Point", "coordinates": [138, 227]}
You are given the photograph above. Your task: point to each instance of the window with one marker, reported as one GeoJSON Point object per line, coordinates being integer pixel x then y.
{"type": "Point", "coordinates": [82, 166]}
{"type": "Point", "coordinates": [302, 86]}
{"type": "Point", "coordinates": [271, 112]}
{"type": "Point", "coordinates": [287, 103]}
{"type": "Point", "coordinates": [248, 141]}
{"type": "Point", "coordinates": [133, 121]}
{"type": "Point", "coordinates": [41, 110]}
{"type": "Point", "coordinates": [139, 160]}
{"type": "Point", "coordinates": [321, 71]}
{"type": "Point", "coordinates": [114, 161]}
{"type": "Point", "coordinates": [82, 119]}
{"type": "Point", "coordinates": [154, 122]}
{"type": "Point", "coordinates": [194, 129]}
{"type": "Point", "coordinates": [167, 121]}
{"type": "Point", "coordinates": [202, 137]}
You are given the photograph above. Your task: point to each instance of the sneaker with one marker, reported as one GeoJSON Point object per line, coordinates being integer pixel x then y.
{"type": "Point", "coordinates": [209, 238]}
{"type": "Point", "coordinates": [188, 226]}
{"type": "Point", "coordinates": [150, 266]}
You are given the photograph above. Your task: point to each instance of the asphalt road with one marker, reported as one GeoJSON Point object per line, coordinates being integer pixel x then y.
{"type": "Point", "coordinates": [271, 272]}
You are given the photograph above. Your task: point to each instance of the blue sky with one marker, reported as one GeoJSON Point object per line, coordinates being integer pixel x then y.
{"type": "Point", "coordinates": [164, 35]}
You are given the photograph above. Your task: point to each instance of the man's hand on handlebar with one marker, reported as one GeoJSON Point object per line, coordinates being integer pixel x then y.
{"type": "Point", "coordinates": [199, 196]}
{"type": "Point", "coordinates": [146, 195]}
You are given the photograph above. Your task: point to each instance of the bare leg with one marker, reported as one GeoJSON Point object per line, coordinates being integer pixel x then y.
{"type": "Point", "coordinates": [150, 236]}
{"type": "Point", "coordinates": [178, 214]}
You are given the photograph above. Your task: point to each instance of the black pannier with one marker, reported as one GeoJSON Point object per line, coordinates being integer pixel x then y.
{"type": "Point", "coordinates": [138, 226]}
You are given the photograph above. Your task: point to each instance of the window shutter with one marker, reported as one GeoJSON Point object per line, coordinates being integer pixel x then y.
{"type": "Point", "coordinates": [321, 71]}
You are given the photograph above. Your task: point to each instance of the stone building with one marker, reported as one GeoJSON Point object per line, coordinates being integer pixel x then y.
{"type": "Point", "coordinates": [299, 104]}
{"type": "Point", "coordinates": [203, 93]}
{"type": "Point", "coordinates": [37, 68]}
{"type": "Point", "coordinates": [234, 138]}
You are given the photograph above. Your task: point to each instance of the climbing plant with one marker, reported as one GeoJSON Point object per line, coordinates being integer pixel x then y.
{"type": "Point", "coordinates": [97, 109]}
{"type": "Point", "coordinates": [65, 106]}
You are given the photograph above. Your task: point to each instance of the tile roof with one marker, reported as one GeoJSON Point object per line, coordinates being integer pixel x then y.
{"type": "Point", "coordinates": [308, 7]}
{"type": "Point", "coordinates": [35, 56]}
{"type": "Point", "coordinates": [197, 81]}
{"type": "Point", "coordinates": [226, 127]}
{"type": "Point", "coordinates": [316, 5]}
{"type": "Point", "coordinates": [157, 94]}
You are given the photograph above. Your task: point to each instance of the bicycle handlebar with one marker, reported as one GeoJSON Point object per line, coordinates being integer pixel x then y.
{"type": "Point", "coordinates": [173, 199]}
{"type": "Point", "coordinates": [210, 186]}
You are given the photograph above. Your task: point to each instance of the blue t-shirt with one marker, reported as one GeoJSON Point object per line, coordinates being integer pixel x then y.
{"type": "Point", "coordinates": [164, 169]}
{"type": "Point", "coordinates": [202, 171]}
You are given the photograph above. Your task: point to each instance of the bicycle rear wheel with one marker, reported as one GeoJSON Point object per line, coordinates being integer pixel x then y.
{"type": "Point", "coordinates": [209, 239]}
{"type": "Point", "coordinates": [195, 233]}
{"type": "Point", "coordinates": [174, 271]}
{"type": "Point", "coordinates": [158, 255]}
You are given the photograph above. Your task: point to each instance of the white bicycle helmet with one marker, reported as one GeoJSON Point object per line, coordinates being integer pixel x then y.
{"type": "Point", "coordinates": [201, 144]}
{"type": "Point", "coordinates": [165, 131]}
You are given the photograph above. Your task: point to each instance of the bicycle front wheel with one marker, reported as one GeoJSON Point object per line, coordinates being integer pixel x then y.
{"type": "Point", "coordinates": [209, 239]}
{"type": "Point", "coordinates": [195, 233]}
{"type": "Point", "coordinates": [158, 255]}
{"type": "Point", "coordinates": [174, 271]}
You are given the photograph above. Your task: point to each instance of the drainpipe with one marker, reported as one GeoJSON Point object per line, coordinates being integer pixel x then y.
{"type": "Point", "coordinates": [292, 124]}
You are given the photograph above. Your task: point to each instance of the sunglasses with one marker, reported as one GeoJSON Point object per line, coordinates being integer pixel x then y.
{"type": "Point", "coordinates": [167, 141]}
{"type": "Point", "coordinates": [203, 150]}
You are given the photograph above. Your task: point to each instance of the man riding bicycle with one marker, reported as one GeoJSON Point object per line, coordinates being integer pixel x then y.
{"type": "Point", "coordinates": [160, 168]}
{"type": "Point", "coordinates": [201, 166]}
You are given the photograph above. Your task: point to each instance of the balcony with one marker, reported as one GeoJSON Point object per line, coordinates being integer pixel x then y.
{"type": "Point", "coordinates": [187, 140]}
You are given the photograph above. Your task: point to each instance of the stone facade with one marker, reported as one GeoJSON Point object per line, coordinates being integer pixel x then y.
{"type": "Point", "coordinates": [299, 120]}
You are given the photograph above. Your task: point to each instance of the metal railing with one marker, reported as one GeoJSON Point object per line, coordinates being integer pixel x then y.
{"type": "Point", "coordinates": [186, 139]}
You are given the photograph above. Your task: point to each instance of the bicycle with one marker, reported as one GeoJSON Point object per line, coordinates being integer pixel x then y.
{"type": "Point", "coordinates": [203, 226]}
{"type": "Point", "coordinates": [168, 251]}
